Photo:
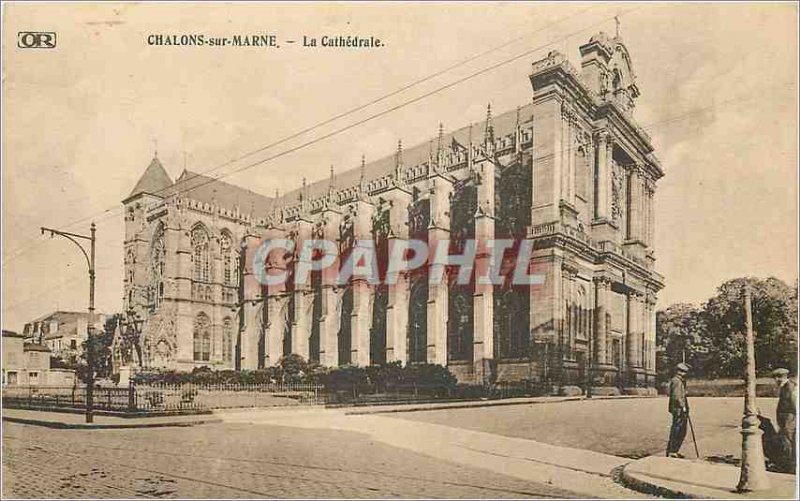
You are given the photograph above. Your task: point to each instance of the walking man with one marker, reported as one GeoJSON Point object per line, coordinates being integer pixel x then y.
{"type": "Point", "coordinates": [679, 408]}
{"type": "Point", "coordinates": [786, 415]}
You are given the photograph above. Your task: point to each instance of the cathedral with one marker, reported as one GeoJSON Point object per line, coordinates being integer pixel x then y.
{"type": "Point", "coordinates": [569, 171]}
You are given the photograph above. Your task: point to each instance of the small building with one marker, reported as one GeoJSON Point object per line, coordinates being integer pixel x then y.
{"type": "Point", "coordinates": [28, 364]}
{"type": "Point", "coordinates": [62, 331]}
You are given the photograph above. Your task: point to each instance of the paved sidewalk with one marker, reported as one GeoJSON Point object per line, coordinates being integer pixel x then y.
{"type": "Point", "coordinates": [70, 420]}
{"type": "Point", "coordinates": [588, 473]}
{"type": "Point", "coordinates": [681, 478]}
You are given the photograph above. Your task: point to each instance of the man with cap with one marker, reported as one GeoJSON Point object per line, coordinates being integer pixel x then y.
{"type": "Point", "coordinates": [786, 415]}
{"type": "Point", "coordinates": [679, 408]}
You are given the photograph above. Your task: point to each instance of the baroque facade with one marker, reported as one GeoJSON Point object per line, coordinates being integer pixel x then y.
{"type": "Point", "coordinates": [570, 171]}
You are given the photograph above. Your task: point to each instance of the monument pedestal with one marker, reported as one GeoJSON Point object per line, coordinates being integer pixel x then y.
{"type": "Point", "coordinates": [126, 372]}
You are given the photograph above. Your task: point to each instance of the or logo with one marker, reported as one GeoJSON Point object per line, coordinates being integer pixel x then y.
{"type": "Point", "coordinates": [36, 40]}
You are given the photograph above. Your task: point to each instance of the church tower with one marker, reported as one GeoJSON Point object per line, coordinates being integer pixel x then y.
{"type": "Point", "coordinates": [151, 189]}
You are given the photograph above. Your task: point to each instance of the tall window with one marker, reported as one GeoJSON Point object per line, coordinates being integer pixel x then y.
{"type": "Point", "coordinates": [157, 260]}
{"type": "Point", "coordinates": [228, 273]}
{"type": "Point", "coordinates": [202, 338]}
{"type": "Point", "coordinates": [200, 257]}
{"type": "Point", "coordinates": [227, 340]}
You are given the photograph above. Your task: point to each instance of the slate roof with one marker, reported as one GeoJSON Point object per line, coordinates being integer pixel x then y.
{"type": "Point", "coordinates": [503, 125]}
{"type": "Point", "coordinates": [209, 190]}
{"type": "Point", "coordinates": [154, 180]}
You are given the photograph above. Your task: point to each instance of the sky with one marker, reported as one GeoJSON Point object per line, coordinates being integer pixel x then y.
{"type": "Point", "coordinates": [82, 121]}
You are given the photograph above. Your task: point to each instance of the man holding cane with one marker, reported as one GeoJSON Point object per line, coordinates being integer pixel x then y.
{"type": "Point", "coordinates": [679, 408]}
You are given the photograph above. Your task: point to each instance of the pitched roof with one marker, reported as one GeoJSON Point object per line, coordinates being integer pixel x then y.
{"type": "Point", "coordinates": [154, 181]}
{"type": "Point", "coordinates": [502, 124]}
{"type": "Point", "coordinates": [209, 190]}
{"type": "Point", "coordinates": [11, 334]}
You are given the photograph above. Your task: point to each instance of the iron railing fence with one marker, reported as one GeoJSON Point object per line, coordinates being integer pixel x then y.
{"type": "Point", "coordinates": [198, 396]}
{"type": "Point", "coordinates": [44, 397]}
{"type": "Point", "coordinates": [164, 397]}
{"type": "Point", "coordinates": [161, 398]}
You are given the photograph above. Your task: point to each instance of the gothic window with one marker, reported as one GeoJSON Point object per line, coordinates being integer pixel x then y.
{"type": "Point", "coordinates": [202, 338]}
{"type": "Point", "coordinates": [228, 270]}
{"type": "Point", "coordinates": [157, 263]}
{"type": "Point", "coordinates": [200, 254]}
{"type": "Point", "coordinates": [380, 233]}
{"type": "Point", "coordinates": [227, 340]}
{"type": "Point", "coordinates": [511, 321]}
{"type": "Point", "coordinates": [512, 304]}
{"type": "Point", "coordinates": [463, 205]}
{"type": "Point", "coordinates": [513, 201]}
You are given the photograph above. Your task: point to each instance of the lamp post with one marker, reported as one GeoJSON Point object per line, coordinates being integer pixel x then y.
{"type": "Point", "coordinates": [754, 474]}
{"type": "Point", "coordinates": [74, 238]}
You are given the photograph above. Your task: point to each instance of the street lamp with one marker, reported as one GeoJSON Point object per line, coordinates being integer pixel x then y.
{"type": "Point", "coordinates": [74, 238]}
{"type": "Point", "coordinates": [754, 474]}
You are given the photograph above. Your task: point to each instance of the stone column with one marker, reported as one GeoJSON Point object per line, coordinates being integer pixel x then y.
{"type": "Point", "coordinates": [397, 309]}
{"type": "Point", "coordinates": [251, 329]}
{"type": "Point", "coordinates": [650, 212]}
{"type": "Point", "coordinates": [651, 321]}
{"type": "Point", "coordinates": [649, 329]}
{"type": "Point", "coordinates": [570, 149]}
{"type": "Point", "coordinates": [483, 299]}
{"type": "Point", "coordinates": [303, 298]}
{"type": "Point", "coordinates": [630, 337]}
{"type": "Point", "coordinates": [277, 303]}
{"type": "Point", "coordinates": [362, 321]}
{"type": "Point", "coordinates": [362, 293]}
{"type": "Point", "coordinates": [604, 148]}
{"type": "Point", "coordinates": [603, 292]}
{"type": "Point", "coordinates": [329, 327]}
{"type": "Point", "coordinates": [636, 205]}
{"type": "Point", "coordinates": [634, 329]}
{"type": "Point", "coordinates": [438, 234]}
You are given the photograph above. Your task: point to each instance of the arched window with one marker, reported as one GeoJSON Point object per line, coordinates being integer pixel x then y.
{"type": "Point", "coordinates": [202, 338]}
{"type": "Point", "coordinates": [200, 257]}
{"type": "Point", "coordinates": [157, 263]}
{"type": "Point", "coordinates": [226, 251]}
{"type": "Point", "coordinates": [227, 340]}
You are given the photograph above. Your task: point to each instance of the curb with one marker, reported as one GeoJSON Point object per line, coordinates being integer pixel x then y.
{"type": "Point", "coordinates": [633, 482]}
{"type": "Point", "coordinates": [488, 403]}
{"type": "Point", "coordinates": [668, 485]}
{"type": "Point", "coordinates": [98, 426]}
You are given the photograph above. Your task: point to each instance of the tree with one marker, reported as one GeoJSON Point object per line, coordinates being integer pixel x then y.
{"type": "Point", "coordinates": [101, 342]}
{"type": "Point", "coordinates": [680, 337]}
{"type": "Point", "coordinates": [774, 323]}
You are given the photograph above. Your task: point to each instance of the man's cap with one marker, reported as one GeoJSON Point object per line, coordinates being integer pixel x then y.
{"type": "Point", "coordinates": [780, 372]}
{"type": "Point", "coordinates": [682, 367]}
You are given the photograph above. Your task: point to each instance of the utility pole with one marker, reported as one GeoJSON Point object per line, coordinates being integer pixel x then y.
{"type": "Point", "coordinates": [74, 238]}
{"type": "Point", "coordinates": [754, 474]}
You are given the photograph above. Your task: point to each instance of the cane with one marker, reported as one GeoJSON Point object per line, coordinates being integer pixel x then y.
{"type": "Point", "coordinates": [694, 439]}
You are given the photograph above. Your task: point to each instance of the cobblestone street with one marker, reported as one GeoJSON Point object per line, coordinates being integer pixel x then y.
{"type": "Point", "coordinates": [235, 460]}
